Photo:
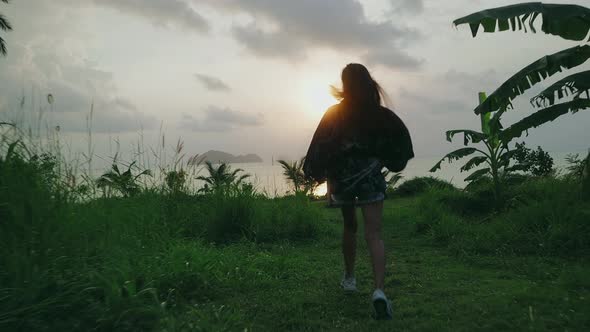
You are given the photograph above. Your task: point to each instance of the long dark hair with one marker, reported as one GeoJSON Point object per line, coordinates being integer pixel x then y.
{"type": "Point", "coordinates": [359, 87]}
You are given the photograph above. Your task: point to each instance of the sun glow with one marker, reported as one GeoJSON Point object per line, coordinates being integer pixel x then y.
{"type": "Point", "coordinates": [321, 190]}
{"type": "Point", "coordinates": [316, 96]}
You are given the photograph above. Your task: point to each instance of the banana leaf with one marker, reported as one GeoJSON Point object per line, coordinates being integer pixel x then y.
{"type": "Point", "coordinates": [468, 135]}
{"type": "Point", "coordinates": [570, 22]}
{"type": "Point", "coordinates": [474, 162]}
{"type": "Point", "coordinates": [478, 174]}
{"type": "Point", "coordinates": [534, 73]}
{"type": "Point", "coordinates": [572, 85]}
{"type": "Point", "coordinates": [543, 116]}
{"type": "Point", "coordinates": [455, 155]}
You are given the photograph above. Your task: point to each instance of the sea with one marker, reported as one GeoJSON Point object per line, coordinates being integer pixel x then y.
{"type": "Point", "coordinates": [268, 177]}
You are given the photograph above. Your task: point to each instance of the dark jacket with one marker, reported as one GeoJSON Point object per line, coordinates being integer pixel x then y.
{"type": "Point", "coordinates": [349, 131]}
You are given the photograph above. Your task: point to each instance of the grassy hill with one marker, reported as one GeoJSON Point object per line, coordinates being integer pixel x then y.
{"type": "Point", "coordinates": [237, 261]}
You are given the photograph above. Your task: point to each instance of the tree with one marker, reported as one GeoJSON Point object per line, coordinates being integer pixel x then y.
{"type": "Point", "coordinates": [4, 26]}
{"type": "Point", "coordinates": [536, 162]}
{"type": "Point", "coordinates": [221, 177]}
{"type": "Point", "coordinates": [571, 22]}
{"type": "Point", "coordinates": [293, 172]}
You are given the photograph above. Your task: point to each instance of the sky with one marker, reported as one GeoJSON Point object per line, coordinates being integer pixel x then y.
{"type": "Point", "coordinates": [253, 76]}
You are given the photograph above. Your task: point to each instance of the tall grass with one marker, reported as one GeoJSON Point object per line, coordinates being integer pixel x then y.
{"type": "Point", "coordinates": [69, 259]}
{"type": "Point", "coordinates": [546, 216]}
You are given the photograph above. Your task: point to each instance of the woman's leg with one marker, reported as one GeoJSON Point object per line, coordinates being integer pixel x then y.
{"type": "Point", "coordinates": [349, 239]}
{"type": "Point", "coordinates": [373, 215]}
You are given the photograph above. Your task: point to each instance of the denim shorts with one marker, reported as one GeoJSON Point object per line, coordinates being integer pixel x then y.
{"type": "Point", "coordinates": [357, 181]}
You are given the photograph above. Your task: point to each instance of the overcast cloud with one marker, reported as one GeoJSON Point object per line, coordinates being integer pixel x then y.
{"type": "Point", "coordinates": [212, 83]}
{"type": "Point", "coordinates": [299, 26]}
{"type": "Point", "coordinates": [252, 75]}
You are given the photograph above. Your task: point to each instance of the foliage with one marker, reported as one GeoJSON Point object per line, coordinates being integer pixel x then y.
{"type": "Point", "coordinates": [537, 162]}
{"type": "Point", "coordinates": [570, 22]}
{"type": "Point", "coordinates": [4, 26]}
{"type": "Point", "coordinates": [391, 179]}
{"type": "Point", "coordinates": [293, 172]}
{"type": "Point", "coordinates": [176, 181]}
{"type": "Point", "coordinates": [419, 185]}
{"type": "Point", "coordinates": [575, 166]}
{"type": "Point", "coordinates": [496, 157]}
{"type": "Point", "coordinates": [221, 178]}
{"type": "Point", "coordinates": [126, 264]}
{"type": "Point", "coordinates": [545, 216]}
{"type": "Point", "coordinates": [125, 183]}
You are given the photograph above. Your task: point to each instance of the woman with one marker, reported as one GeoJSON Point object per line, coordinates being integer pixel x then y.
{"type": "Point", "coordinates": [353, 142]}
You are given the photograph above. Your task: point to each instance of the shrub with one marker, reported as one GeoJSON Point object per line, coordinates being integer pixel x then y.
{"type": "Point", "coordinates": [419, 185]}
{"type": "Point", "coordinates": [545, 217]}
{"type": "Point", "coordinates": [536, 162]}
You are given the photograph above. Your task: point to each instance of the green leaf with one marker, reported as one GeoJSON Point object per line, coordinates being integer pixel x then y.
{"type": "Point", "coordinates": [468, 135]}
{"type": "Point", "coordinates": [539, 70]}
{"type": "Point", "coordinates": [572, 85]}
{"type": "Point", "coordinates": [455, 155]}
{"type": "Point", "coordinates": [543, 116]}
{"type": "Point", "coordinates": [474, 162]}
{"type": "Point", "coordinates": [570, 22]}
{"type": "Point", "coordinates": [477, 174]}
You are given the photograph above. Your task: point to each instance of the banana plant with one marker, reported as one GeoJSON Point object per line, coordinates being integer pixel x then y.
{"type": "Point", "coordinates": [570, 22]}
{"type": "Point", "coordinates": [495, 153]}
{"type": "Point", "coordinates": [4, 26]}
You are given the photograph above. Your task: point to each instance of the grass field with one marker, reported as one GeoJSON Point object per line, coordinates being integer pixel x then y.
{"type": "Point", "coordinates": [237, 261]}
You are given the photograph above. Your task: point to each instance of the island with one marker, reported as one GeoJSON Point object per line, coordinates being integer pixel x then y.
{"type": "Point", "coordinates": [218, 157]}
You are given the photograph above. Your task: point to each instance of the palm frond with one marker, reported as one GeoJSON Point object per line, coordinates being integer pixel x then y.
{"type": "Point", "coordinates": [570, 22]}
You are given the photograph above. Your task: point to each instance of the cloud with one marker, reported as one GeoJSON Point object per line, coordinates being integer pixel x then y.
{"type": "Point", "coordinates": [212, 83]}
{"type": "Point", "coordinates": [289, 29]}
{"type": "Point", "coordinates": [412, 7]}
{"type": "Point", "coordinates": [220, 120]}
{"type": "Point", "coordinates": [393, 59]}
{"type": "Point", "coordinates": [47, 65]}
{"type": "Point", "coordinates": [160, 12]}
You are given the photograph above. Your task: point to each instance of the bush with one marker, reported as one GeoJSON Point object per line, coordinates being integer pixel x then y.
{"type": "Point", "coordinates": [419, 185]}
{"type": "Point", "coordinates": [536, 162]}
{"type": "Point", "coordinates": [544, 217]}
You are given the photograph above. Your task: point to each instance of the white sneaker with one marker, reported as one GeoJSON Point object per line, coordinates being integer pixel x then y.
{"type": "Point", "coordinates": [348, 284]}
{"type": "Point", "coordinates": [381, 305]}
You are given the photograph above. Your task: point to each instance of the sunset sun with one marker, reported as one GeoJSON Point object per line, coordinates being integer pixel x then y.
{"type": "Point", "coordinates": [316, 96]}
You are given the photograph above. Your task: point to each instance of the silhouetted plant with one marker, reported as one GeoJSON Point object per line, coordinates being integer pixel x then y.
{"type": "Point", "coordinates": [575, 166]}
{"type": "Point", "coordinates": [537, 162]}
{"type": "Point", "coordinates": [221, 177]}
{"type": "Point", "coordinates": [497, 156]}
{"type": "Point", "coordinates": [571, 22]}
{"type": "Point", "coordinates": [391, 178]}
{"type": "Point", "coordinates": [125, 183]}
{"type": "Point", "coordinates": [4, 26]}
{"type": "Point", "coordinates": [176, 181]}
{"type": "Point", "coordinates": [293, 172]}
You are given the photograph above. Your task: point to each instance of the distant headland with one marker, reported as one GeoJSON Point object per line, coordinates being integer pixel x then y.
{"type": "Point", "coordinates": [224, 157]}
